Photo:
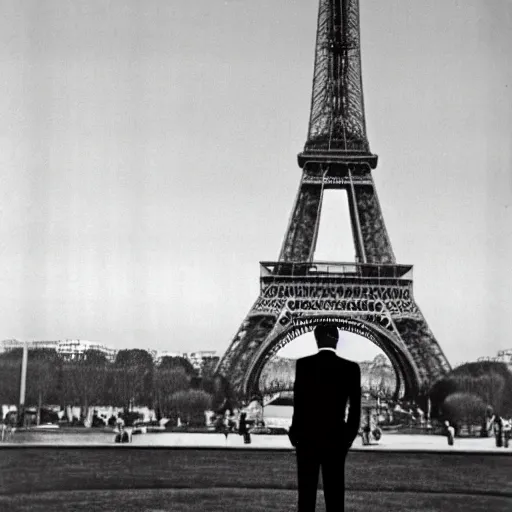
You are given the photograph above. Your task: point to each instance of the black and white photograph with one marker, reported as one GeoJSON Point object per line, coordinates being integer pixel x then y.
{"type": "Point", "coordinates": [256, 255]}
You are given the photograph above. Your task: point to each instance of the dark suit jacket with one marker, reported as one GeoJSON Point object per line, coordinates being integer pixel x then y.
{"type": "Point", "coordinates": [324, 384]}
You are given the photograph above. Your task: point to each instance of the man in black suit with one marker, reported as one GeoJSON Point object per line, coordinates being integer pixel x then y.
{"type": "Point", "coordinates": [324, 384]}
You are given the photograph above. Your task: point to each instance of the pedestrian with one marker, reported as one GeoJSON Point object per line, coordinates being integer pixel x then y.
{"type": "Point", "coordinates": [450, 433]}
{"type": "Point", "coordinates": [243, 429]}
{"type": "Point", "coordinates": [367, 428]}
{"type": "Point", "coordinates": [498, 431]}
{"type": "Point", "coordinates": [507, 430]}
{"type": "Point", "coordinates": [365, 434]}
{"type": "Point", "coordinates": [122, 436]}
{"type": "Point", "coordinates": [226, 425]}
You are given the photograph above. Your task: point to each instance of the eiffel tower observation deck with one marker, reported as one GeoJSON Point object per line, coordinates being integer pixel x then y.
{"type": "Point", "coordinates": [373, 296]}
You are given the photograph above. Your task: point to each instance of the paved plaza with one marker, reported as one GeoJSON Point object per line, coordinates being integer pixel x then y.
{"type": "Point", "coordinates": [387, 442]}
{"type": "Point", "coordinates": [394, 442]}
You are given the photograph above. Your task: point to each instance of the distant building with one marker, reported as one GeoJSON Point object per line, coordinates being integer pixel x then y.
{"type": "Point", "coordinates": [198, 359]}
{"type": "Point", "coordinates": [160, 354]}
{"type": "Point", "coordinates": [6, 345]}
{"type": "Point", "coordinates": [503, 356]}
{"type": "Point", "coordinates": [67, 349]}
{"type": "Point", "coordinates": [75, 349]}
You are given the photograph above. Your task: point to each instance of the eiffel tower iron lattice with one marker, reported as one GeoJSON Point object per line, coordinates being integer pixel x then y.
{"type": "Point", "coordinates": [372, 297]}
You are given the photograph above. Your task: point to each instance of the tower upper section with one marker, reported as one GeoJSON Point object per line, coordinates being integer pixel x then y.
{"type": "Point", "coordinates": [337, 127]}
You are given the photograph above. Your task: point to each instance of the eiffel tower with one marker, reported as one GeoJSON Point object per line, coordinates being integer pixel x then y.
{"type": "Point", "coordinates": [373, 296]}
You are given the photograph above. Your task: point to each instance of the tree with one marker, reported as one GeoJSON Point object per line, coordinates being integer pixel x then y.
{"type": "Point", "coordinates": [383, 389]}
{"type": "Point", "coordinates": [224, 396]}
{"type": "Point", "coordinates": [10, 373]}
{"type": "Point", "coordinates": [95, 357]}
{"type": "Point", "coordinates": [208, 366]}
{"type": "Point", "coordinates": [12, 355]}
{"type": "Point", "coordinates": [43, 372]}
{"type": "Point", "coordinates": [278, 374]}
{"type": "Point", "coordinates": [190, 405]}
{"type": "Point", "coordinates": [464, 408]}
{"type": "Point", "coordinates": [491, 388]}
{"type": "Point", "coordinates": [127, 386]}
{"type": "Point", "coordinates": [84, 380]}
{"type": "Point", "coordinates": [176, 362]}
{"type": "Point", "coordinates": [133, 374]}
{"type": "Point", "coordinates": [167, 383]}
{"type": "Point", "coordinates": [134, 357]}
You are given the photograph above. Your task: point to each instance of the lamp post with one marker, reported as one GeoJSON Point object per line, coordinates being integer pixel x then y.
{"type": "Point", "coordinates": [23, 384]}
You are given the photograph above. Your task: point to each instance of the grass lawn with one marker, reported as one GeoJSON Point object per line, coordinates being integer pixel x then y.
{"type": "Point", "coordinates": [126, 478]}
{"type": "Point", "coordinates": [246, 500]}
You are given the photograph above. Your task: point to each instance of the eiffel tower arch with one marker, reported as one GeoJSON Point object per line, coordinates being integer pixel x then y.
{"type": "Point", "coordinates": [372, 296]}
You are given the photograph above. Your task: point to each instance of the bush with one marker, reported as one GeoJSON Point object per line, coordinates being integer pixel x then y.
{"type": "Point", "coordinates": [464, 408]}
{"type": "Point", "coordinates": [190, 405]}
{"type": "Point", "coordinates": [490, 381]}
{"type": "Point", "coordinates": [167, 383]}
{"type": "Point", "coordinates": [48, 416]}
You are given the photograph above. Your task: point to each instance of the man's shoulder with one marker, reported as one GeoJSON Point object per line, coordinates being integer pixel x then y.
{"type": "Point", "coordinates": [305, 360]}
{"type": "Point", "coordinates": [311, 359]}
{"type": "Point", "coordinates": [349, 364]}
{"type": "Point", "coordinates": [346, 363]}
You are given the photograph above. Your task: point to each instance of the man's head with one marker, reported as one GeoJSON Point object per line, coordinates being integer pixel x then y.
{"type": "Point", "coordinates": [326, 336]}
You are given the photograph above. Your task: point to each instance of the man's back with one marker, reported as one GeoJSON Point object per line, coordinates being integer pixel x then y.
{"type": "Point", "coordinates": [324, 384]}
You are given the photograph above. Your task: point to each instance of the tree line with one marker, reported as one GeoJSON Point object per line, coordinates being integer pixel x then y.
{"type": "Point", "coordinates": [170, 387]}
{"type": "Point", "coordinates": [377, 377]}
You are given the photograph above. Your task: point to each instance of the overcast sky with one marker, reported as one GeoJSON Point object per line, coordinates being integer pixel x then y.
{"type": "Point", "coordinates": [148, 163]}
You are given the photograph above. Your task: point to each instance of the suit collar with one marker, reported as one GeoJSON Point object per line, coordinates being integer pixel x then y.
{"type": "Point", "coordinates": [330, 349]}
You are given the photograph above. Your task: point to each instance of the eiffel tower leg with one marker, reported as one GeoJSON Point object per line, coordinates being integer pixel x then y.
{"type": "Point", "coordinates": [254, 332]}
{"type": "Point", "coordinates": [423, 347]}
{"type": "Point", "coordinates": [420, 358]}
{"type": "Point", "coordinates": [300, 239]}
{"type": "Point", "coordinates": [366, 209]}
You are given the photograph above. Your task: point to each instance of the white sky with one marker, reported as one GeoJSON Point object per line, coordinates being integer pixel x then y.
{"type": "Point", "coordinates": [148, 162]}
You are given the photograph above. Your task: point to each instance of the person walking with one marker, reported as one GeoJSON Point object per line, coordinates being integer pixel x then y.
{"type": "Point", "coordinates": [324, 382]}
{"type": "Point", "coordinates": [506, 426]}
{"type": "Point", "coordinates": [498, 431]}
{"type": "Point", "coordinates": [450, 433]}
{"type": "Point", "coordinates": [243, 430]}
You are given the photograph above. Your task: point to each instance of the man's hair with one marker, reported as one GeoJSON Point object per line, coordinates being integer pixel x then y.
{"type": "Point", "coordinates": [326, 335]}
